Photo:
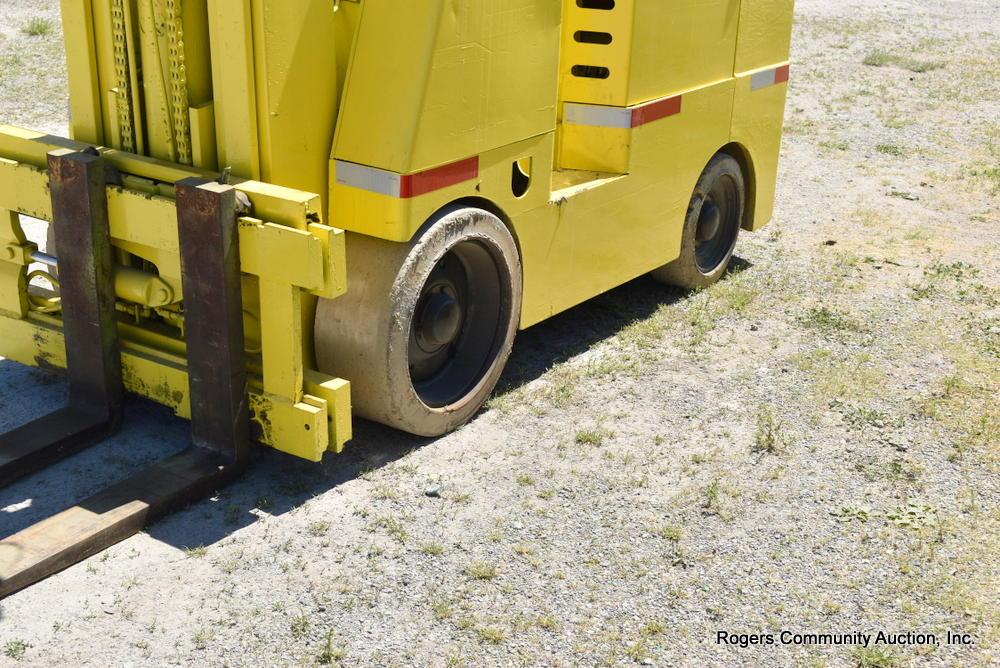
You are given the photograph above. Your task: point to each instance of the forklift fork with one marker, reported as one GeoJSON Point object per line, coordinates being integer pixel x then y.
{"type": "Point", "coordinates": [206, 215]}
{"type": "Point", "coordinates": [79, 206]}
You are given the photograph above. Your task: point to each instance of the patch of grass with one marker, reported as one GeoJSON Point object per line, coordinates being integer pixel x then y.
{"type": "Point", "coordinates": [201, 638]}
{"type": "Point", "coordinates": [854, 378]}
{"type": "Point", "coordinates": [525, 480]}
{"type": "Point", "coordinates": [859, 418]}
{"type": "Point", "coordinates": [882, 58]}
{"type": "Point", "coordinates": [481, 570]}
{"type": "Point", "coordinates": [826, 319]}
{"type": "Point", "coordinates": [894, 150]}
{"type": "Point", "coordinates": [905, 469]}
{"type": "Point", "coordinates": [653, 628]}
{"type": "Point", "coordinates": [547, 622]}
{"type": "Point", "coordinates": [671, 533]}
{"type": "Point", "coordinates": [319, 528]}
{"type": "Point", "coordinates": [988, 175]}
{"type": "Point", "coordinates": [15, 649]}
{"type": "Point", "coordinates": [491, 634]}
{"type": "Point", "coordinates": [196, 552]}
{"type": "Point", "coordinates": [441, 608]}
{"type": "Point", "coordinates": [562, 383]}
{"type": "Point", "coordinates": [391, 526]}
{"type": "Point", "coordinates": [330, 653]}
{"type": "Point", "coordinates": [38, 27]}
{"type": "Point", "coordinates": [853, 513]}
{"type": "Point", "coordinates": [769, 437]}
{"type": "Point", "coordinates": [433, 549]}
{"type": "Point", "coordinates": [300, 626]}
{"type": "Point", "coordinates": [835, 145]}
{"type": "Point", "coordinates": [875, 657]}
{"type": "Point", "coordinates": [591, 436]}
{"type": "Point", "coordinates": [965, 402]}
{"type": "Point", "coordinates": [913, 516]}
{"type": "Point", "coordinates": [713, 502]}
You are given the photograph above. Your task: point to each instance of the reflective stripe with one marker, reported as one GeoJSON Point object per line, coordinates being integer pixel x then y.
{"type": "Point", "coordinates": [368, 178]}
{"type": "Point", "coordinates": [391, 184]}
{"type": "Point", "coordinates": [770, 77]}
{"type": "Point", "coordinates": [654, 111]}
{"type": "Point", "coordinates": [598, 116]}
{"type": "Point", "coordinates": [421, 183]}
{"type": "Point", "coordinates": [623, 118]}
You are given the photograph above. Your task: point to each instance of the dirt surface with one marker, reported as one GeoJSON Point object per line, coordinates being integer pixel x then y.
{"type": "Point", "coordinates": [813, 445]}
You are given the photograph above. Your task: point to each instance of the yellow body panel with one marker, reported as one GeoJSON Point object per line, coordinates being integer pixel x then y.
{"type": "Point", "coordinates": [657, 48]}
{"type": "Point", "coordinates": [765, 34]}
{"type": "Point", "coordinates": [390, 110]}
{"type": "Point", "coordinates": [434, 81]}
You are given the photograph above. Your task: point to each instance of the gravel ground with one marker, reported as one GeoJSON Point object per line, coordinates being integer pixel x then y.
{"type": "Point", "coordinates": [813, 445]}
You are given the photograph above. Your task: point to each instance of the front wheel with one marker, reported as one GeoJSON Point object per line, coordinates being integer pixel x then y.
{"type": "Point", "coordinates": [711, 227]}
{"type": "Point", "coordinates": [425, 328]}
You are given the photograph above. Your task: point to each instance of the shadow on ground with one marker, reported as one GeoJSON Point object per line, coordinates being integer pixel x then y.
{"type": "Point", "coordinates": [274, 483]}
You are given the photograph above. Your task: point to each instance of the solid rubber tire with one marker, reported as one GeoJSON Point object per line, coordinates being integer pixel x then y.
{"type": "Point", "coordinates": [364, 335]}
{"type": "Point", "coordinates": [684, 272]}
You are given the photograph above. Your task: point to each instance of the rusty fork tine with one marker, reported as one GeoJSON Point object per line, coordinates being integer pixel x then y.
{"type": "Point", "coordinates": [83, 241]}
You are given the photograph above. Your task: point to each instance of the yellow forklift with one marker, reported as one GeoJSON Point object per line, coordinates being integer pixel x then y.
{"type": "Point", "coordinates": [272, 215]}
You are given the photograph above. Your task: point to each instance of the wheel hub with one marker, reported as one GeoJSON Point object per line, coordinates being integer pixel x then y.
{"type": "Point", "coordinates": [440, 321]}
{"type": "Point", "coordinates": [718, 225]}
{"type": "Point", "coordinates": [709, 221]}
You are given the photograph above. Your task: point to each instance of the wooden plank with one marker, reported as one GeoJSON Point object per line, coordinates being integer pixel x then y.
{"type": "Point", "coordinates": [109, 517]}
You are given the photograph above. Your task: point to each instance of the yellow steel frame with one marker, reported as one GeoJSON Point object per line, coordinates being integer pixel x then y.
{"type": "Point", "coordinates": [297, 410]}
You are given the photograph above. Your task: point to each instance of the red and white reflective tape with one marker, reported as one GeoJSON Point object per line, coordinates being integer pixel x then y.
{"type": "Point", "coordinates": [625, 118]}
{"type": "Point", "coordinates": [405, 186]}
{"type": "Point", "coordinates": [770, 77]}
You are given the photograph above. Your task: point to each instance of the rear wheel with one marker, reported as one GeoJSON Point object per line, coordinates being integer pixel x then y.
{"type": "Point", "coordinates": [711, 227]}
{"type": "Point", "coordinates": [425, 328]}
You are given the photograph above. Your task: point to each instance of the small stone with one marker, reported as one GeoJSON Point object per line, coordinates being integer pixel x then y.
{"type": "Point", "coordinates": [433, 491]}
{"type": "Point", "coordinates": [754, 328]}
{"type": "Point", "coordinates": [830, 242]}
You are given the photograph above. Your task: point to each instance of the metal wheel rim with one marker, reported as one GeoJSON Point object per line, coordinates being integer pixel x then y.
{"type": "Point", "coordinates": [448, 356]}
{"type": "Point", "coordinates": [718, 224]}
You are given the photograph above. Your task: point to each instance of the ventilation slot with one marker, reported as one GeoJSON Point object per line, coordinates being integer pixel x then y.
{"type": "Point", "coordinates": [596, 4]}
{"type": "Point", "coordinates": [591, 72]}
{"type": "Point", "coordinates": [591, 37]}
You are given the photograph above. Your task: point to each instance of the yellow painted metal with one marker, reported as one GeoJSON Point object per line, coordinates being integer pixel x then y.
{"type": "Point", "coordinates": [139, 287]}
{"type": "Point", "coordinates": [757, 125]}
{"type": "Point", "coordinates": [398, 219]}
{"type": "Point", "coordinates": [434, 81]}
{"type": "Point", "coordinates": [570, 248]}
{"type": "Point", "coordinates": [15, 256]}
{"type": "Point", "coordinates": [296, 62]}
{"type": "Point", "coordinates": [161, 376]}
{"type": "Point", "coordinates": [765, 39]}
{"type": "Point", "coordinates": [144, 225]}
{"type": "Point", "coordinates": [231, 36]}
{"type": "Point", "coordinates": [86, 120]}
{"type": "Point", "coordinates": [658, 48]}
{"type": "Point", "coordinates": [281, 91]}
{"type": "Point", "coordinates": [336, 392]}
{"type": "Point", "coordinates": [765, 34]}
{"type": "Point", "coordinates": [203, 138]}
